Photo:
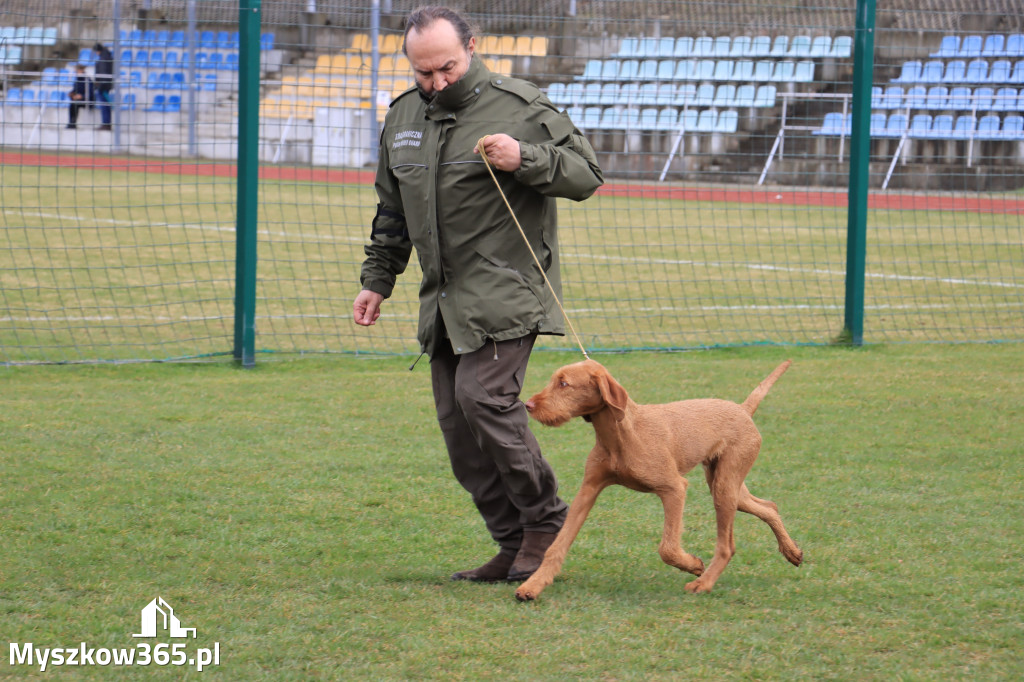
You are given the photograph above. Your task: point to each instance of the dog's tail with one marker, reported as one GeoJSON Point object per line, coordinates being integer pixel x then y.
{"type": "Point", "coordinates": [758, 394]}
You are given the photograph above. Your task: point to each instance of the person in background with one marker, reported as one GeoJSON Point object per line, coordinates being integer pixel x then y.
{"type": "Point", "coordinates": [79, 96]}
{"type": "Point", "coordinates": [104, 82]}
{"type": "Point", "coordinates": [483, 300]}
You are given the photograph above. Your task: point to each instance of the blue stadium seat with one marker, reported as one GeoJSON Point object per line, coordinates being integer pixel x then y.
{"type": "Point", "coordinates": [743, 71]}
{"type": "Point", "coordinates": [209, 81]}
{"type": "Point", "coordinates": [799, 47]}
{"type": "Point", "coordinates": [666, 70]}
{"type": "Point", "coordinates": [686, 70]}
{"type": "Point", "coordinates": [804, 72]}
{"type": "Point", "coordinates": [740, 47]}
{"type": "Point", "coordinates": [173, 104]}
{"type": "Point", "coordinates": [959, 98]}
{"type": "Point", "coordinates": [592, 70]}
{"type": "Point", "coordinates": [706, 121]}
{"type": "Point", "coordinates": [910, 72]}
{"type": "Point", "coordinates": [727, 122]}
{"type": "Point", "coordinates": [214, 60]}
{"type": "Point", "coordinates": [965, 126]}
{"type": "Point", "coordinates": [877, 96]}
{"type": "Point", "coordinates": [705, 70]}
{"type": "Point", "coordinates": [668, 119]}
{"type": "Point", "coordinates": [648, 119]}
{"type": "Point", "coordinates": [591, 118]}
{"type": "Point", "coordinates": [703, 47]}
{"type": "Point", "coordinates": [177, 40]}
{"type": "Point", "coordinates": [956, 72]}
{"type": "Point", "coordinates": [573, 93]}
{"type": "Point", "coordinates": [984, 98]}
{"type": "Point", "coordinates": [592, 93]}
{"type": "Point", "coordinates": [556, 93]}
{"type": "Point", "coordinates": [648, 70]}
{"type": "Point", "coordinates": [49, 76]}
{"type": "Point", "coordinates": [648, 47]}
{"type": "Point", "coordinates": [895, 125]}
{"type": "Point", "coordinates": [683, 47]}
{"type": "Point", "coordinates": [156, 59]}
{"type": "Point", "coordinates": [785, 72]}
{"type": "Point", "coordinates": [86, 56]}
{"type": "Point", "coordinates": [746, 95]}
{"type": "Point", "coordinates": [942, 126]}
{"type": "Point", "coordinates": [723, 70]}
{"type": "Point", "coordinates": [1014, 45]}
{"type": "Point", "coordinates": [995, 45]}
{"type": "Point", "coordinates": [821, 46]}
{"type": "Point", "coordinates": [1018, 73]}
{"type": "Point", "coordinates": [721, 47]}
{"type": "Point", "coordinates": [688, 120]}
{"type": "Point", "coordinates": [917, 97]}
{"type": "Point", "coordinates": [833, 125]}
{"type": "Point", "coordinates": [128, 101]}
{"type": "Point", "coordinates": [989, 127]}
{"type": "Point", "coordinates": [970, 46]}
{"type": "Point", "coordinates": [948, 48]}
{"type": "Point", "coordinates": [725, 96]}
{"type": "Point", "coordinates": [13, 97]}
{"type": "Point", "coordinates": [766, 95]}
{"type": "Point", "coordinates": [267, 41]}
{"type": "Point", "coordinates": [937, 97]}
{"type": "Point", "coordinates": [977, 71]}
{"type": "Point", "coordinates": [647, 96]}
{"type": "Point", "coordinates": [705, 95]}
{"type": "Point", "coordinates": [611, 68]}
{"type": "Point", "coordinates": [611, 119]}
{"type": "Point", "coordinates": [933, 72]}
{"type": "Point", "coordinates": [208, 40]}
{"type": "Point", "coordinates": [1000, 71]}
{"type": "Point", "coordinates": [629, 47]}
{"type": "Point", "coordinates": [1005, 99]}
{"type": "Point", "coordinates": [763, 70]}
{"type": "Point", "coordinates": [920, 126]}
{"type": "Point", "coordinates": [162, 40]}
{"type": "Point", "coordinates": [1013, 127]}
{"type": "Point", "coordinates": [666, 94]}
{"type": "Point", "coordinates": [780, 46]}
{"type": "Point", "coordinates": [842, 47]}
{"type": "Point", "coordinates": [760, 46]}
{"type": "Point", "coordinates": [177, 80]}
{"type": "Point", "coordinates": [159, 103]}
{"type": "Point", "coordinates": [140, 59]}
{"type": "Point", "coordinates": [892, 99]}
{"type": "Point", "coordinates": [686, 93]}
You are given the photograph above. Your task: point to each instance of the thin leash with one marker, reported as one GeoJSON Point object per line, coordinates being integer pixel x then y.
{"type": "Point", "coordinates": [487, 163]}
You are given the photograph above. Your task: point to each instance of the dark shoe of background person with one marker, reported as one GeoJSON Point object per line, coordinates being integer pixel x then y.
{"type": "Point", "coordinates": [495, 570]}
{"type": "Point", "coordinates": [530, 555]}
{"type": "Point", "coordinates": [104, 127]}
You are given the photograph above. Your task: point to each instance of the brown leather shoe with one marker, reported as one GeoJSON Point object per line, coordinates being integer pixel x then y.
{"type": "Point", "coordinates": [495, 570]}
{"type": "Point", "coordinates": [530, 555]}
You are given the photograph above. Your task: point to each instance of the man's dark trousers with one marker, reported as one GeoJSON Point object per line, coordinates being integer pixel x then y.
{"type": "Point", "coordinates": [493, 453]}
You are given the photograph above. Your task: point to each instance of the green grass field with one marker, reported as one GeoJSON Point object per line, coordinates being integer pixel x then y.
{"type": "Point", "coordinates": [109, 265]}
{"type": "Point", "coordinates": [302, 516]}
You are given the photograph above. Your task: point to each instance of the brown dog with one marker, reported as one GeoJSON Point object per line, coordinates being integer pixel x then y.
{"type": "Point", "coordinates": [649, 448]}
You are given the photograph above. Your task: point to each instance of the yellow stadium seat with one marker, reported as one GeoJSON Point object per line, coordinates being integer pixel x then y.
{"type": "Point", "coordinates": [539, 46]}
{"type": "Point", "coordinates": [391, 43]}
{"type": "Point", "coordinates": [323, 64]}
{"type": "Point", "coordinates": [488, 45]}
{"type": "Point", "coordinates": [360, 43]}
{"type": "Point", "coordinates": [507, 45]}
{"type": "Point", "coordinates": [499, 65]}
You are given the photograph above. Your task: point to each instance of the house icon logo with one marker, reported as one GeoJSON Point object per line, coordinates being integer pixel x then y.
{"type": "Point", "coordinates": [159, 612]}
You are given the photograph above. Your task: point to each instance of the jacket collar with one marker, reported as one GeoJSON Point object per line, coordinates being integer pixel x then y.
{"type": "Point", "coordinates": [461, 93]}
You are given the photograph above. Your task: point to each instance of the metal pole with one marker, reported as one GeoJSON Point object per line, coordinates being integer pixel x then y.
{"type": "Point", "coordinates": [860, 157]}
{"type": "Point", "coordinates": [374, 76]}
{"type": "Point", "coordinates": [192, 80]}
{"type": "Point", "coordinates": [248, 181]}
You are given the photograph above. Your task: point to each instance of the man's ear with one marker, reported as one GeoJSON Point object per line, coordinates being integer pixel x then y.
{"type": "Point", "coordinates": [613, 394]}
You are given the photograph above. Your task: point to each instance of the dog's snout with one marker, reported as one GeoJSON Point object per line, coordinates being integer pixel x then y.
{"type": "Point", "coordinates": [530, 405]}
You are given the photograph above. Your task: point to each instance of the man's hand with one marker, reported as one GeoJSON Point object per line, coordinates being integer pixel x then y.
{"type": "Point", "coordinates": [366, 308]}
{"type": "Point", "coordinates": [502, 151]}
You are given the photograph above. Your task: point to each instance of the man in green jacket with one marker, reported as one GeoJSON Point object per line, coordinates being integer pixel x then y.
{"type": "Point", "coordinates": [482, 299]}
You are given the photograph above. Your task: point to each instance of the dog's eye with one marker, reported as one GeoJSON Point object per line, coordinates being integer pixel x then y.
{"type": "Point", "coordinates": [563, 383]}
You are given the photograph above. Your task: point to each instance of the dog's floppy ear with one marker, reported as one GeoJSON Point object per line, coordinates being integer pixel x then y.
{"type": "Point", "coordinates": [613, 394]}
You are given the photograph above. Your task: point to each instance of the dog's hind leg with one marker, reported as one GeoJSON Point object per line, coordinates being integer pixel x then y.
{"type": "Point", "coordinates": [768, 512]}
{"type": "Point", "coordinates": [671, 551]}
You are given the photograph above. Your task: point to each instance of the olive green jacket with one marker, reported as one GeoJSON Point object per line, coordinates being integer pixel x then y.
{"type": "Point", "coordinates": [437, 195]}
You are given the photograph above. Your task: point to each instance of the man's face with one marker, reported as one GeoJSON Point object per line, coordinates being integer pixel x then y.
{"type": "Point", "coordinates": [437, 56]}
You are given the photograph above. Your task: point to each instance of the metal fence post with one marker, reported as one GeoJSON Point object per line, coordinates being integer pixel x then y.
{"type": "Point", "coordinates": [860, 161]}
{"type": "Point", "coordinates": [248, 181]}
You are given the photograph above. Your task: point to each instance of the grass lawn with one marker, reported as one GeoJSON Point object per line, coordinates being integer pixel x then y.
{"type": "Point", "coordinates": [302, 516]}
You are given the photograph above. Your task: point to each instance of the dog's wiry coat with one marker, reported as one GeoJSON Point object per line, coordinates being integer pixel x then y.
{"type": "Point", "coordinates": [650, 448]}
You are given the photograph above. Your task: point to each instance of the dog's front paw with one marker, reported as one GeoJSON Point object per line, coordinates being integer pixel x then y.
{"type": "Point", "coordinates": [523, 594]}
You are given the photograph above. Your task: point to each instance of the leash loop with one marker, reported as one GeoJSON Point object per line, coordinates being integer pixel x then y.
{"type": "Point", "coordinates": [565, 316]}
